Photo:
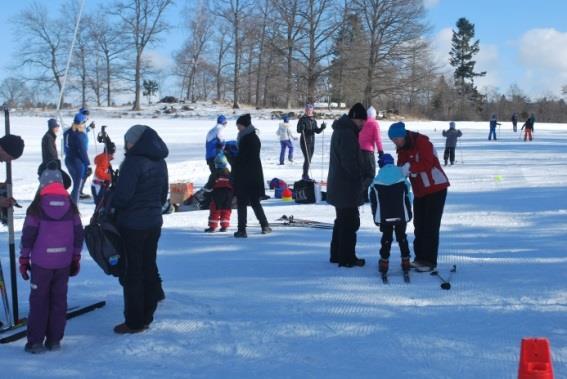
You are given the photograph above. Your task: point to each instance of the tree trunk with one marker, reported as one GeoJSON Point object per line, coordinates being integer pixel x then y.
{"type": "Point", "coordinates": [236, 60]}
{"type": "Point", "coordinates": [108, 90]}
{"type": "Point", "coordinates": [137, 79]}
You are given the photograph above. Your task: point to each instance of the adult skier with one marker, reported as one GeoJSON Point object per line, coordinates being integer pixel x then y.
{"type": "Point", "coordinates": [307, 128]}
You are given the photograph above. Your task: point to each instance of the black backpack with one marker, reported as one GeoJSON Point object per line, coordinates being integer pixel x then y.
{"type": "Point", "coordinates": [103, 240]}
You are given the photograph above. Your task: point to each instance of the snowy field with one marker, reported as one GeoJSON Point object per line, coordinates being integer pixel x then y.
{"type": "Point", "coordinates": [274, 307]}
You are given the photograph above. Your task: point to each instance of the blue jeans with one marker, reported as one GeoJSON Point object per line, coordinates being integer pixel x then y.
{"type": "Point", "coordinates": [289, 145]}
{"type": "Point", "coordinates": [492, 133]}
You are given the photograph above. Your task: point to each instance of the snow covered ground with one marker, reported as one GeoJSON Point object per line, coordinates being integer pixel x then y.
{"type": "Point", "coordinates": [272, 306]}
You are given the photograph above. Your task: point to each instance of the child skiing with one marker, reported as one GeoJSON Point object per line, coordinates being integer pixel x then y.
{"type": "Point", "coordinates": [493, 123]}
{"type": "Point", "coordinates": [390, 199]}
{"type": "Point", "coordinates": [52, 238]}
{"type": "Point", "coordinates": [529, 127]}
{"type": "Point", "coordinates": [451, 136]}
{"type": "Point", "coordinates": [285, 134]}
{"type": "Point", "coordinates": [221, 200]}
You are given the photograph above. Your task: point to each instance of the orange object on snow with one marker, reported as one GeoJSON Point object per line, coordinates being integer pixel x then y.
{"type": "Point", "coordinates": [287, 194]}
{"type": "Point", "coordinates": [535, 359]}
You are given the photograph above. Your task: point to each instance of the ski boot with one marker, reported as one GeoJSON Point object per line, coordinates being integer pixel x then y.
{"type": "Point", "coordinates": [406, 264]}
{"type": "Point", "coordinates": [383, 265]}
{"type": "Point", "coordinates": [209, 230]}
{"type": "Point", "coordinates": [222, 229]}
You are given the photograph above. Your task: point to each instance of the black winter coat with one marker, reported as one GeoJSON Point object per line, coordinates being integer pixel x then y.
{"type": "Point", "coordinates": [307, 127]}
{"type": "Point", "coordinates": [247, 169]}
{"type": "Point", "coordinates": [344, 182]}
{"type": "Point", "coordinates": [48, 147]}
{"type": "Point", "coordinates": [142, 184]}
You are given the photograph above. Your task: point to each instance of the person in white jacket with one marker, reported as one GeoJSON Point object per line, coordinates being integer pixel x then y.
{"type": "Point", "coordinates": [286, 135]}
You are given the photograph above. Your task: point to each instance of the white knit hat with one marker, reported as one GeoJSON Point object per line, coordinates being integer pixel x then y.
{"type": "Point", "coordinates": [371, 112]}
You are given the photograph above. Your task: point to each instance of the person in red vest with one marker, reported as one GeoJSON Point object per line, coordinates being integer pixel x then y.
{"type": "Point", "coordinates": [418, 159]}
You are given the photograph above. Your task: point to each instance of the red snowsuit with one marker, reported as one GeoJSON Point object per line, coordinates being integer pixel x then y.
{"type": "Point", "coordinates": [221, 199]}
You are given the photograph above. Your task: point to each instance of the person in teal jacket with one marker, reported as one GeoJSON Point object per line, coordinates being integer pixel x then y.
{"type": "Point", "coordinates": [390, 198]}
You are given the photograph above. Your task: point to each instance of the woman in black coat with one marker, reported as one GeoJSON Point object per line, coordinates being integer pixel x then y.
{"type": "Point", "coordinates": [248, 176]}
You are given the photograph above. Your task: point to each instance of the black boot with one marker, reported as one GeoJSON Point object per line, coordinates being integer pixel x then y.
{"type": "Point", "coordinates": [240, 233]}
{"type": "Point", "coordinates": [266, 229]}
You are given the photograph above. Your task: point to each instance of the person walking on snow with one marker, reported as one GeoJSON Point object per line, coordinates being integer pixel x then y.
{"type": "Point", "coordinates": [390, 200]}
{"type": "Point", "coordinates": [529, 127]}
{"type": "Point", "coordinates": [369, 141]}
{"type": "Point", "coordinates": [222, 192]}
{"type": "Point", "coordinates": [215, 138]}
{"type": "Point", "coordinates": [493, 124]}
{"type": "Point", "coordinates": [248, 176]}
{"type": "Point", "coordinates": [418, 158]}
{"type": "Point", "coordinates": [307, 128]}
{"type": "Point", "coordinates": [285, 134]}
{"type": "Point", "coordinates": [344, 186]}
{"type": "Point", "coordinates": [451, 136]}
{"type": "Point", "coordinates": [52, 239]}
{"type": "Point", "coordinates": [514, 120]}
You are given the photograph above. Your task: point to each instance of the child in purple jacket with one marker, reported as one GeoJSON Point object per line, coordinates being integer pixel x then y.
{"type": "Point", "coordinates": [52, 238]}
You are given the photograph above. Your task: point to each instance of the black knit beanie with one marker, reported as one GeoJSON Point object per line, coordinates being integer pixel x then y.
{"type": "Point", "coordinates": [244, 120]}
{"type": "Point", "coordinates": [358, 111]}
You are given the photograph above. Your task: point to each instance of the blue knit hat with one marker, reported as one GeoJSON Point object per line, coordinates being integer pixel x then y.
{"type": "Point", "coordinates": [285, 118]}
{"type": "Point", "coordinates": [397, 130]}
{"type": "Point", "coordinates": [385, 159]}
{"type": "Point", "coordinates": [52, 123]}
{"type": "Point", "coordinates": [79, 119]}
{"type": "Point", "coordinates": [221, 119]}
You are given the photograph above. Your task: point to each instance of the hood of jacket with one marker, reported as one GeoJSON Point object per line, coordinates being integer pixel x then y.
{"type": "Point", "coordinates": [150, 145]}
{"type": "Point", "coordinates": [344, 122]}
{"type": "Point", "coordinates": [55, 206]}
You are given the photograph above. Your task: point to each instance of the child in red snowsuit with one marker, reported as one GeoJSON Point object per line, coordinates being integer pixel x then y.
{"type": "Point", "coordinates": [103, 172]}
{"type": "Point", "coordinates": [222, 192]}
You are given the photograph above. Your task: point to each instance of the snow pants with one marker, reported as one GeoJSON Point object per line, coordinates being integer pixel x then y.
{"type": "Point", "coordinates": [48, 305]}
{"type": "Point", "coordinates": [492, 133]}
{"type": "Point", "coordinates": [427, 213]}
{"type": "Point", "coordinates": [289, 145]}
{"type": "Point", "coordinates": [343, 241]}
{"type": "Point", "coordinates": [387, 237]}
{"type": "Point", "coordinates": [449, 154]}
{"type": "Point", "coordinates": [527, 134]}
{"type": "Point", "coordinates": [307, 145]}
{"type": "Point", "coordinates": [140, 280]}
{"type": "Point", "coordinates": [216, 215]}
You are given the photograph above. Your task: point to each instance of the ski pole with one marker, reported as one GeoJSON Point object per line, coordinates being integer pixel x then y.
{"type": "Point", "coordinates": [445, 283]}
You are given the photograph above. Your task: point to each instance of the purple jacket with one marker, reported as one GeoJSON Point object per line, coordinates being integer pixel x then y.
{"type": "Point", "coordinates": [54, 237]}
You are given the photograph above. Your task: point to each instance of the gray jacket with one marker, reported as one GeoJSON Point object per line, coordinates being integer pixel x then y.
{"type": "Point", "coordinates": [451, 135]}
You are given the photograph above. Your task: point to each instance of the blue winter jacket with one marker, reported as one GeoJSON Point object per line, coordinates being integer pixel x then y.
{"type": "Point", "coordinates": [214, 138]}
{"type": "Point", "coordinates": [76, 146]}
{"type": "Point", "coordinates": [142, 184]}
{"type": "Point", "coordinates": [390, 196]}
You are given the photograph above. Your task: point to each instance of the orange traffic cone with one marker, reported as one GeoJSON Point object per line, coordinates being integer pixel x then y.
{"type": "Point", "coordinates": [287, 194]}
{"type": "Point", "coordinates": [535, 359]}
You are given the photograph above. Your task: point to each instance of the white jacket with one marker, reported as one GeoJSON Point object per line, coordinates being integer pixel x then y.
{"type": "Point", "coordinates": [284, 132]}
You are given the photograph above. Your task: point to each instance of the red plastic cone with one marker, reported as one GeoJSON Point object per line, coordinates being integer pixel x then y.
{"type": "Point", "coordinates": [535, 359]}
{"type": "Point", "coordinates": [286, 194]}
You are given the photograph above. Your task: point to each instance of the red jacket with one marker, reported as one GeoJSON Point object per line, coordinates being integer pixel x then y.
{"type": "Point", "coordinates": [426, 174]}
{"type": "Point", "coordinates": [102, 162]}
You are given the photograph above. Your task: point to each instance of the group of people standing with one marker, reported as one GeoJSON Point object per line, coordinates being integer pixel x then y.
{"type": "Point", "coordinates": [528, 126]}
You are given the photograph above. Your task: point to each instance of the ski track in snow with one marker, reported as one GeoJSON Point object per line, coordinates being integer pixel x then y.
{"type": "Point", "coordinates": [272, 306]}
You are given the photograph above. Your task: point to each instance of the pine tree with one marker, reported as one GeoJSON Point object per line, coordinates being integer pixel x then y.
{"type": "Point", "coordinates": [462, 53]}
{"type": "Point", "coordinates": [150, 89]}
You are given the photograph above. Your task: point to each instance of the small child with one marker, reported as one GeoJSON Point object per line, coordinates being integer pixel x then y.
{"type": "Point", "coordinates": [103, 172]}
{"type": "Point", "coordinates": [52, 238]}
{"type": "Point", "coordinates": [286, 135]}
{"type": "Point", "coordinates": [390, 198]}
{"type": "Point", "coordinates": [451, 142]}
{"type": "Point", "coordinates": [220, 186]}
{"type": "Point", "coordinates": [528, 128]}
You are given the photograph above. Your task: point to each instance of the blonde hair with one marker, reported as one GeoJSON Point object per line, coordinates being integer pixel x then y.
{"type": "Point", "coordinates": [78, 127]}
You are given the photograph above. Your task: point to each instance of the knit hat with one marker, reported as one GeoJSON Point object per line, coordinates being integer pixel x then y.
{"type": "Point", "coordinates": [49, 176]}
{"type": "Point", "coordinates": [385, 159]}
{"type": "Point", "coordinates": [244, 120]}
{"type": "Point", "coordinates": [357, 112]}
{"type": "Point", "coordinates": [13, 145]}
{"type": "Point", "coordinates": [285, 118]}
{"type": "Point", "coordinates": [79, 118]}
{"type": "Point", "coordinates": [221, 119]}
{"type": "Point", "coordinates": [371, 112]}
{"type": "Point", "coordinates": [84, 111]}
{"type": "Point", "coordinates": [309, 106]}
{"type": "Point", "coordinates": [397, 130]}
{"type": "Point", "coordinates": [452, 125]}
{"type": "Point", "coordinates": [134, 134]}
{"type": "Point", "coordinates": [53, 189]}
{"type": "Point", "coordinates": [52, 123]}
{"type": "Point", "coordinates": [220, 161]}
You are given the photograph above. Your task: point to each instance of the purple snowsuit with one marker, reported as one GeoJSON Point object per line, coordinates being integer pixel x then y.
{"type": "Point", "coordinates": [50, 240]}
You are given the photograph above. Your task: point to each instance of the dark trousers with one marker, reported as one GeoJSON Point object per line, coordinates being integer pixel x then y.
{"type": "Point", "coordinates": [140, 279]}
{"type": "Point", "coordinates": [307, 148]}
{"type": "Point", "coordinates": [449, 154]}
{"type": "Point", "coordinates": [343, 241]}
{"type": "Point", "coordinates": [77, 171]}
{"type": "Point", "coordinates": [48, 304]}
{"type": "Point", "coordinates": [369, 172]}
{"type": "Point", "coordinates": [211, 164]}
{"type": "Point", "coordinates": [286, 145]}
{"type": "Point", "coordinates": [243, 201]}
{"type": "Point", "coordinates": [427, 213]}
{"type": "Point", "coordinates": [387, 235]}
{"type": "Point", "coordinates": [492, 133]}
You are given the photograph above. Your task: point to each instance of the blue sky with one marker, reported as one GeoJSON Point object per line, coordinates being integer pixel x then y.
{"type": "Point", "coordinates": [522, 42]}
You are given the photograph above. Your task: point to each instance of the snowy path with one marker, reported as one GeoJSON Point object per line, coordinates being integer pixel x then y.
{"type": "Point", "coordinates": [272, 306]}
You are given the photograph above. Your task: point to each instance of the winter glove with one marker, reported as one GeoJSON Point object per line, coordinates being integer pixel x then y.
{"type": "Point", "coordinates": [88, 171]}
{"type": "Point", "coordinates": [380, 153]}
{"type": "Point", "coordinates": [75, 266]}
{"type": "Point", "coordinates": [92, 125]}
{"type": "Point", "coordinates": [323, 126]}
{"type": "Point", "coordinates": [406, 169]}
{"type": "Point", "coordinates": [25, 268]}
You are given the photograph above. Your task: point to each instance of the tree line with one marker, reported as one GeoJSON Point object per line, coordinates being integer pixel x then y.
{"type": "Point", "coordinates": [264, 53]}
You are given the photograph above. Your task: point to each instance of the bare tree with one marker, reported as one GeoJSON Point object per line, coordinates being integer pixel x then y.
{"type": "Point", "coordinates": [234, 12]}
{"type": "Point", "coordinates": [291, 26]}
{"type": "Point", "coordinates": [320, 26]}
{"type": "Point", "coordinates": [265, 8]}
{"type": "Point", "coordinates": [143, 23]}
{"type": "Point", "coordinates": [391, 25]}
{"type": "Point", "coordinates": [198, 27]}
{"type": "Point", "coordinates": [13, 91]}
{"type": "Point", "coordinates": [41, 49]}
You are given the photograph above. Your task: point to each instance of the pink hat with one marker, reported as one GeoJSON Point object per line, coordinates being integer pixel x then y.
{"type": "Point", "coordinates": [54, 189]}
